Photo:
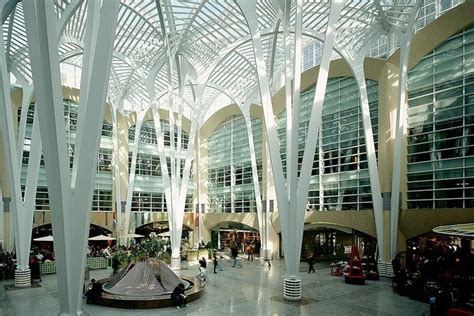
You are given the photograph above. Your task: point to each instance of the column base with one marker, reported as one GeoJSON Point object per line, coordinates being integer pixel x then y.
{"type": "Point", "coordinates": [22, 278]}
{"type": "Point", "coordinates": [292, 289]}
{"type": "Point", "coordinates": [385, 269]}
{"type": "Point", "coordinates": [175, 263]}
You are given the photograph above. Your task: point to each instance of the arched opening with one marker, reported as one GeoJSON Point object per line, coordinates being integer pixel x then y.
{"type": "Point", "coordinates": [46, 247]}
{"type": "Point", "coordinates": [227, 234]}
{"type": "Point", "coordinates": [161, 228]}
{"type": "Point", "coordinates": [47, 229]}
{"type": "Point", "coordinates": [331, 242]}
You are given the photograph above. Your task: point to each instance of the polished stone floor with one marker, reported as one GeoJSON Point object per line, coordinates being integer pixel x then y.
{"type": "Point", "coordinates": [250, 290]}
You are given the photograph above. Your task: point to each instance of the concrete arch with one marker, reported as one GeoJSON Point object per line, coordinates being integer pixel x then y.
{"type": "Point", "coordinates": [315, 225]}
{"type": "Point", "coordinates": [187, 226]}
{"type": "Point", "coordinates": [95, 222]}
{"type": "Point", "coordinates": [162, 217]}
{"type": "Point", "coordinates": [221, 116]}
{"type": "Point", "coordinates": [212, 220]}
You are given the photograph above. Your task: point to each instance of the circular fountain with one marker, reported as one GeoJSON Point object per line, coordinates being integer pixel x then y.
{"type": "Point", "coordinates": [146, 285]}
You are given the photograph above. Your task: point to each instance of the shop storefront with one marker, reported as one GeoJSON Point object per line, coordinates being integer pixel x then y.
{"type": "Point", "coordinates": [235, 234]}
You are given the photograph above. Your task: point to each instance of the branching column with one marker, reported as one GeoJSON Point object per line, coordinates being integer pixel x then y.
{"type": "Point", "coordinates": [358, 70]}
{"type": "Point", "coordinates": [22, 210]}
{"type": "Point", "coordinates": [405, 45]}
{"type": "Point", "coordinates": [292, 193]}
{"type": "Point", "coordinates": [256, 183]}
{"type": "Point", "coordinates": [70, 192]}
{"type": "Point", "coordinates": [125, 230]}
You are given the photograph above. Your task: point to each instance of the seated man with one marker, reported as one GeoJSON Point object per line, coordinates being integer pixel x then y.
{"type": "Point", "coordinates": [178, 296]}
{"type": "Point", "coordinates": [94, 293]}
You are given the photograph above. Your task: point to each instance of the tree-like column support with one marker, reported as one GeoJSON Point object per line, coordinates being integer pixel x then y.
{"type": "Point", "coordinates": [70, 191]}
{"type": "Point", "coordinates": [359, 75]}
{"type": "Point", "coordinates": [405, 44]}
{"type": "Point", "coordinates": [22, 208]}
{"type": "Point", "coordinates": [292, 192]}
{"type": "Point", "coordinates": [125, 229]}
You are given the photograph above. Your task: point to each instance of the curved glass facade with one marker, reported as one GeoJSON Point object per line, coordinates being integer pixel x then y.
{"type": "Point", "coordinates": [340, 176]}
{"type": "Point", "coordinates": [148, 194]}
{"type": "Point", "coordinates": [230, 182]}
{"type": "Point", "coordinates": [440, 142]}
{"type": "Point", "coordinates": [102, 199]}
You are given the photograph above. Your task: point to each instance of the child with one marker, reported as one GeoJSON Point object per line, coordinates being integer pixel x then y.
{"type": "Point", "coordinates": [221, 263]}
{"type": "Point", "coordinates": [216, 262]}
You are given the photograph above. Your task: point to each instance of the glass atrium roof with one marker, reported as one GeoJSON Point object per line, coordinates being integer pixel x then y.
{"type": "Point", "coordinates": [206, 45]}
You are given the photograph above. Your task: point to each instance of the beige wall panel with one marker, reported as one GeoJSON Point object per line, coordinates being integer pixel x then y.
{"type": "Point", "coordinates": [415, 222]}
{"type": "Point", "coordinates": [360, 220]}
{"type": "Point", "coordinates": [212, 220]}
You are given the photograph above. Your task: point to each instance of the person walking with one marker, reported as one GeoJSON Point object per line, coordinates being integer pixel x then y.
{"type": "Point", "coordinates": [311, 263]}
{"type": "Point", "coordinates": [249, 250]}
{"type": "Point", "coordinates": [221, 263]}
{"type": "Point", "coordinates": [35, 269]}
{"type": "Point", "coordinates": [216, 262]}
{"type": "Point", "coordinates": [115, 265]}
{"type": "Point", "coordinates": [267, 258]}
{"type": "Point", "coordinates": [234, 252]}
{"type": "Point", "coordinates": [203, 263]}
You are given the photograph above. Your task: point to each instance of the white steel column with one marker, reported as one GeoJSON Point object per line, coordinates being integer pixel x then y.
{"type": "Point", "coordinates": [232, 177]}
{"type": "Point", "coordinates": [44, 58]}
{"type": "Point", "coordinates": [70, 194]}
{"type": "Point", "coordinates": [321, 171]}
{"type": "Point", "coordinates": [249, 11]}
{"type": "Point", "coordinates": [197, 167]}
{"type": "Point", "coordinates": [319, 94]}
{"type": "Point", "coordinates": [131, 178]}
{"type": "Point", "coordinates": [21, 210]}
{"type": "Point", "coordinates": [27, 90]}
{"type": "Point", "coordinates": [253, 161]}
{"type": "Point", "coordinates": [315, 121]}
{"type": "Point", "coordinates": [175, 186]}
{"type": "Point", "coordinates": [405, 45]}
{"type": "Point", "coordinates": [289, 222]}
{"type": "Point", "coordinates": [163, 164]}
{"type": "Point", "coordinates": [175, 214]}
{"type": "Point", "coordinates": [183, 185]}
{"type": "Point", "coordinates": [117, 177]}
{"type": "Point", "coordinates": [292, 199]}
{"type": "Point", "coordinates": [359, 75]}
{"type": "Point", "coordinates": [248, 8]}
{"type": "Point", "coordinates": [178, 182]}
